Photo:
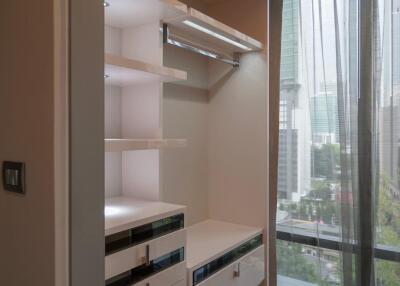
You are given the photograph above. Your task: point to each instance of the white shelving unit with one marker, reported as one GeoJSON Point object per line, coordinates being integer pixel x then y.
{"type": "Point", "coordinates": [134, 75]}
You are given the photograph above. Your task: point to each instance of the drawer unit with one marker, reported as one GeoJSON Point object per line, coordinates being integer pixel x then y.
{"type": "Point", "coordinates": [135, 256]}
{"type": "Point", "coordinates": [148, 271]}
{"type": "Point", "coordinates": [247, 271]}
{"type": "Point", "coordinates": [135, 236]}
{"type": "Point", "coordinates": [145, 242]}
{"type": "Point", "coordinates": [224, 254]}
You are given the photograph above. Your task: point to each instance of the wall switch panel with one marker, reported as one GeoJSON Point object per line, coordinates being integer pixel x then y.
{"type": "Point", "coordinates": [14, 177]}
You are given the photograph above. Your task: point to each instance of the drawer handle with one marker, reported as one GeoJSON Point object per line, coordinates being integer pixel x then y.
{"type": "Point", "coordinates": [236, 273]}
{"type": "Point", "coordinates": [146, 258]}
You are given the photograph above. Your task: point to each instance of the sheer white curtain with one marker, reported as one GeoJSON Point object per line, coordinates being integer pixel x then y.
{"type": "Point", "coordinates": [339, 142]}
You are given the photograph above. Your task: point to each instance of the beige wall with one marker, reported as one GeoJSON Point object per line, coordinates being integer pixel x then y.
{"type": "Point", "coordinates": [27, 237]}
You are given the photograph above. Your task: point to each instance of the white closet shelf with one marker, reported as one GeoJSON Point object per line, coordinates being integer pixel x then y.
{"type": "Point", "coordinates": [122, 213]}
{"type": "Point", "coordinates": [210, 239]}
{"type": "Point", "coordinates": [130, 13]}
{"type": "Point", "coordinates": [122, 71]}
{"type": "Point", "coordinates": [211, 34]}
{"type": "Point", "coordinates": [118, 145]}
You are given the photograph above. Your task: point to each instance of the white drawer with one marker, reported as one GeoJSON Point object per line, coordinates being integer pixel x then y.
{"type": "Point", "coordinates": [135, 256]}
{"type": "Point", "coordinates": [174, 276]}
{"type": "Point", "coordinates": [251, 271]}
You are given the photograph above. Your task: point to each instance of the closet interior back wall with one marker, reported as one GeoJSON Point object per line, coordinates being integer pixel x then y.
{"type": "Point", "coordinates": [222, 111]}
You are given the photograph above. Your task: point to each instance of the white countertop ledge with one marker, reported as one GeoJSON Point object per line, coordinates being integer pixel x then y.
{"type": "Point", "coordinates": [123, 213]}
{"type": "Point", "coordinates": [210, 239]}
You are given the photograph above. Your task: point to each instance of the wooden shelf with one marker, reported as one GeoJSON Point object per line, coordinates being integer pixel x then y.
{"type": "Point", "coordinates": [129, 13]}
{"type": "Point", "coordinates": [181, 29]}
{"type": "Point", "coordinates": [118, 145]}
{"type": "Point", "coordinates": [122, 71]}
{"type": "Point", "coordinates": [210, 239]}
{"type": "Point", "coordinates": [122, 213]}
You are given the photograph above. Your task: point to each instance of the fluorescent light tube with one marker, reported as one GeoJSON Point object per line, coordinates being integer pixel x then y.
{"type": "Point", "coordinates": [216, 35]}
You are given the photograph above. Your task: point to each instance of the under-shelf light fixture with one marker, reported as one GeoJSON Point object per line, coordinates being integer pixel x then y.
{"type": "Point", "coordinates": [179, 42]}
{"type": "Point", "coordinates": [216, 35]}
{"type": "Point", "coordinates": [106, 4]}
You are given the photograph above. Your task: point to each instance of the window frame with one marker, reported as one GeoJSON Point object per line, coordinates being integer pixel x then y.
{"type": "Point", "coordinates": [383, 252]}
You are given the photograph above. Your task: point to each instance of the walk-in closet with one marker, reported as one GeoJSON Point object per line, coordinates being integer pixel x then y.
{"type": "Point", "coordinates": [186, 144]}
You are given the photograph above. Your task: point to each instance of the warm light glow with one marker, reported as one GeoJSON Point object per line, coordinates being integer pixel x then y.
{"type": "Point", "coordinates": [112, 211]}
{"type": "Point", "coordinates": [216, 35]}
{"type": "Point", "coordinates": [118, 211]}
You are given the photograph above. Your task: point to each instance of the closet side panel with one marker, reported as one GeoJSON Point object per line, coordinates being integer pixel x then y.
{"type": "Point", "coordinates": [113, 160]}
{"type": "Point", "coordinates": [86, 143]}
{"type": "Point", "coordinates": [237, 141]}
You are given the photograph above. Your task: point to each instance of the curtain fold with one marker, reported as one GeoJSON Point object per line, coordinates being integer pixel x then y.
{"type": "Point", "coordinates": [338, 173]}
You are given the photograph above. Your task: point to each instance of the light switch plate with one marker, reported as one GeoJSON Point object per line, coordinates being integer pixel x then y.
{"type": "Point", "coordinates": [14, 177]}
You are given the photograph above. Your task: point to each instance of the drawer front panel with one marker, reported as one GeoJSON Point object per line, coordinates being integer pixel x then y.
{"type": "Point", "coordinates": [139, 235]}
{"type": "Point", "coordinates": [209, 269]}
{"type": "Point", "coordinates": [170, 277]}
{"type": "Point", "coordinates": [247, 271]}
{"type": "Point", "coordinates": [133, 257]}
{"type": "Point", "coordinates": [147, 271]}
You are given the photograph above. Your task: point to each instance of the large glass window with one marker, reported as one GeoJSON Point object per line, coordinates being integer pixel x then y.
{"type": "Point", "coordinates": [319, 212]}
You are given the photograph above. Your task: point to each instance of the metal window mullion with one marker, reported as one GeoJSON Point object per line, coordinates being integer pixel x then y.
{"type": "Point", "coordinates": [365, 261]}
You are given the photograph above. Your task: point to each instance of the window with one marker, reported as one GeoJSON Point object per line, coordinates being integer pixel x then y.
{"type": "Point", "coordinates": [318, 210]}
{"type": "Point", "coordinates": [300, 264]}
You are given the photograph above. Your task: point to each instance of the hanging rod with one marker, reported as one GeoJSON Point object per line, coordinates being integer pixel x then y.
{"type": "Point", "coordinates": [167, 39]}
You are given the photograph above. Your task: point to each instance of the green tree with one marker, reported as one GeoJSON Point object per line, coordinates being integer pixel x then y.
{"type": "Point", "coordinates": [291, 262]}
{"type": "Point", "coordinates": [388, 233]}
